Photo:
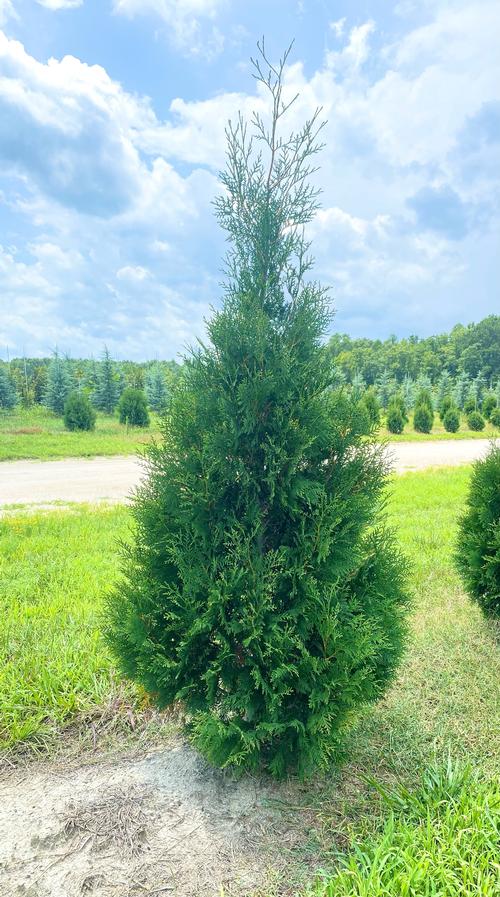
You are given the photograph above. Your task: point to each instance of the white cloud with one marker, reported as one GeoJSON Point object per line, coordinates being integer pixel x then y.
{"type": "Point", "coordinates": [186, 21]}
{"type": "Point", "coordinates": [7, 11]}
{"type": "Point", "coordinates": [60, 4]}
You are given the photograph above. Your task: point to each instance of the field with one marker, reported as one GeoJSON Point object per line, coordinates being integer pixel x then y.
{"type": "Point", "coordinates": [36, 433]}
{"type": "Point", "coordinates": [56, 675]}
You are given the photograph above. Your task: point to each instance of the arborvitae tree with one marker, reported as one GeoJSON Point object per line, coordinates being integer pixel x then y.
{"type": "Point", "coordinates": [424, 397]}
{"type": "Point", "coordinates": [372, 406]}
{"type": "Point", "coordinates": [488, 404]}
{"type": "Point", "coordinates": [59, 384]}
{"type": "Point", "coordinates": [451, 419]}
{"type": "Point", "coordinates": [156, 388]}
{"type": "Point", "coordinates": [475, 421]}
{"type": "Point", "coordinates": [263, 590]}
{"type": "Point", "coordinates": [133, 408]}
{"type": "Point", "coordinates": [423, 418]}
{"type": "Point", "coordinates": [78, 412]}
{"type": "Point", "coordinates": [8, 393]}
{"type": "Point", "coordinates": [107, 391]}
{"type": "Point", "coordinates": [478, 545]}
{"type": "Point", "coordinates": [444, 406]}
{"type": "Point", "coordinates": [395, 419]}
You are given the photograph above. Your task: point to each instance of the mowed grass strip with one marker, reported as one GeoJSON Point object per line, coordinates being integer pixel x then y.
{"type": "Point", "coordinates": [56, 567]}
{"type": "Point", "coordinates": [35, 433]}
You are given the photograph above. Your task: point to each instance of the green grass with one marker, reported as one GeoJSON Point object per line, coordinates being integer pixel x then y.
{"type": "Point", "coordinates": [39, 434]}
{"type": "Point", "coordinates": [442, 840]}
{"type": "Point", "coordinates": [54, 568]}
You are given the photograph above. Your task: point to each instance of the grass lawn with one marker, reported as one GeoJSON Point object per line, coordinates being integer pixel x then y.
{"type": "Point", "coordinates": [38, 433]}
{"type": "Point", "coordinates": [56, 566]}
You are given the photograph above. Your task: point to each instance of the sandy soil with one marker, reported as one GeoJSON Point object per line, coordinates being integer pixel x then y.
{"type": "Point", "coordinates": [164, 824]}
{"type": "Point", "coordinates": [113, 479]}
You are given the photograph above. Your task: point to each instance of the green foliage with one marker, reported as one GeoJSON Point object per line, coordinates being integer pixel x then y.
{"type": "Point", "coordinates": [372, 406]}
{"type": "Point", "coordinates": [495, 417]}
{"type": "Point", "coordinates": [156, 388]}
{"type": "Point", "coordinates": [470, 405]}
{"type": "Point", "coordinates": [395, 419]}
{"type": "Point", "coordinates": [488, 405]}
{"type": "Point", "coordinates": [385, 388]}
{"type": "Point", "coordinates": [58, 384]}
{"type": "Point", "coordinates": [263, 590]}
{"type": "Point", "coordinates": [444, 406]}
{"type": "Point", "coordinates": [451, 419]}
{"type": "Point", "coordinates": [133, 408]}
{"type": "Point", "coordinates": [478, 546]}
{"type": "Point", "coordinates": [423, 418]}
{"type": "Point", "coordinates": [462, 355]}
{"type": "Point", "coordinates": [78, 412]}
{"type": "Point", "coordinates": [424, 397]}
{"type": "Point", "coordinates": [108, 389]}
{"type": "Point", "coordinates": [8, 392]}
{"type": "Point", "coordinates": [439, 840]}
{"type": "Point", "coordinates": [475, 421]}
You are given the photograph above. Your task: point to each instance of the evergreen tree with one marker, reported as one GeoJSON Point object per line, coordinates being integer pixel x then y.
{"type": "Point", "coordinates": [460, 390]}
{"type": "Point", "coordinates": [8, 393]}
{"type": "Point", "coordinates": [156, 388]}
{"type": "Point", "coordinates": [408, 391]}
{"type": "Point", "coordinates": [132, 408]}
{"type": "Point", "coordinates": [385, 389]}
{"type": "Point", "coordinates": [263, 590]}
{"type": "Point", "coordinates": [443, 389]}
{"type": "Point", "coordinates": [107, 391]}
{"type": "Point", "coordinates": [59, 384]}
{"type": "Point", "coordinates": [358, 386]}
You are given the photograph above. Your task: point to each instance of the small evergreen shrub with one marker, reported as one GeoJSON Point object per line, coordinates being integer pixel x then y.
{"type": "Point", "coordinates": [451, 420]}
{"type": "Point", "coordinates": [133, 408]}
{"type": "Point", "coordinates": [263, 590]}
{"type": "Point", "coordinates": [423, 418]}
{"type": "Point", "coordinates": [470, 406]}
{"type": "Point", "coordinates": [395, 419]}
{"type": "Point", "coordinates": [478, 545]}
{"type": "Point", "coordinates": [372, 406]}
{"type": "Point", "coordinates": [424, 398]}
{"type": "Point", "coordinates": [445, 406]}
{"type": "Point", "coordinates": [78, 412]}
{"type": "Point", "coordinates": [475, 421]}
{"type": "Point", "coordinates": [488, 405]}
{"type": "Point", "coordinates": [495, 417]}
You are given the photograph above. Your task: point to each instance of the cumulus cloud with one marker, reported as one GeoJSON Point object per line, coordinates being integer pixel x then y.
{"type": "Point", "coordinates": [187, 21]}
{"type": "Point", "coordinates": [7, 11]}
{"type": "Point", "coordinates": [60, 4]}
{"type": "Point", "coordinates": [123, 247]}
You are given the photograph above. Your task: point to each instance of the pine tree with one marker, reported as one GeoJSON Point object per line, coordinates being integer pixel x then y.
{"type": "Point", "coordinates": [59, 384]}
{"type": "Point", "coordinates": [156, 388]}
{"type": "Point", "coordinates": [8, 393]}
{"type": "Point", "coordinates": [408, 391]}
{"type": "Point", "coordinates": [263, 590]}
{"type": "Point", "coordinates": [443, 389]}
{"type": "Point", "coordinates": [107, 391]}
{"type": "Point", "coordinates": [358, 386]}
{"type": "Point", "coordinates": [385, 388]}
{"type": "Point", "coordinates": [460, 391]}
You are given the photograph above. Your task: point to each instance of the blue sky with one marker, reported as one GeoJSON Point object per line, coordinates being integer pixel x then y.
{"type": "Point", "coordinates": [112, 117]}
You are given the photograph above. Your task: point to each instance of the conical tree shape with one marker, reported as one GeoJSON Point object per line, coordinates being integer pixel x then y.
{"type": "Point", "coordinates": [261, 590]}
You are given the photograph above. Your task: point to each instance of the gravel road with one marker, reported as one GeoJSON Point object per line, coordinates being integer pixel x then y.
{"type": "Point", "coordinates": [112, 479]}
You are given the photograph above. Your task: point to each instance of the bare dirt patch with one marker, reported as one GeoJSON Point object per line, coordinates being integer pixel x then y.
{"type": "Point", "coordinates": [162, 824]}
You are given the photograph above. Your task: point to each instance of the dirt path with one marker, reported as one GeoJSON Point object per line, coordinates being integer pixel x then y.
{"type": "Point", "coordinates": [112, 479]}
{"type": "Point", "coordinates": [164, 824]}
